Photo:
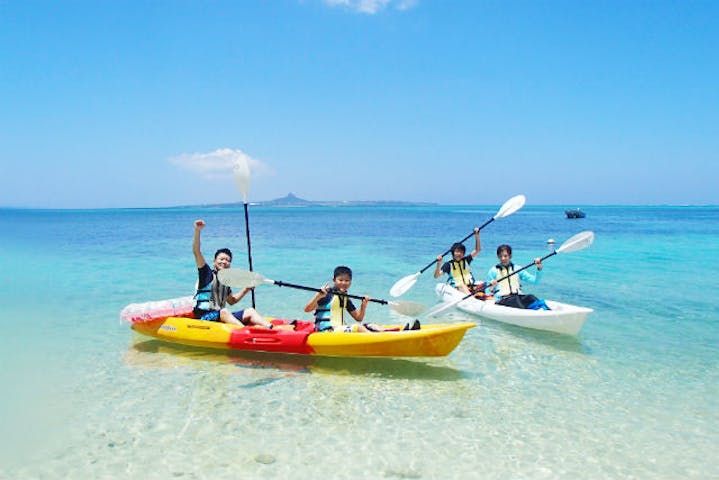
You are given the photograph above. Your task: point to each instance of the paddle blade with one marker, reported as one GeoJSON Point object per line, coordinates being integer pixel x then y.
{"type": "Point", "coordinates": [442, 307]}
{"type": "Point", "coordinates": [578, 242]}
{"type": "Point", "coordinates": [511, 206]}
{"type": "Point", "coordinates": [411, 309]}
{"type": "Point", "coordinates": [241, 173]}
{"type": "Point", "coordinates": [237, 278]}
{"type": "Point", "coordinates": [403, 285]}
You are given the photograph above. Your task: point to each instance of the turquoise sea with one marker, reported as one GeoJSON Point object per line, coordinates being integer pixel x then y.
{"type": "Point", "coordinates": [635, 395]}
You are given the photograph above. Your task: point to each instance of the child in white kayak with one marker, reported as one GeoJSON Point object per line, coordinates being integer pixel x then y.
{"type": "Point", "coordinates": [330, 306]}
{"type": "Point", "coordinates": [211, 295]}
{"type": "Point", "coordinates": [507, 292]}
{"type": "Point", "coordinates": [457, 269]}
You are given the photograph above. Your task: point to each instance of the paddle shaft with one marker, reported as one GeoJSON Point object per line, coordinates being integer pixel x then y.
{"type": "Point", "coordinates": [249, 247]}
{"type": "Point", "coordinates": [461, 241]}
{"type": "Point", "coordinates": [515, 272]}
{"type": "Point", "coordinates": [312, 289]}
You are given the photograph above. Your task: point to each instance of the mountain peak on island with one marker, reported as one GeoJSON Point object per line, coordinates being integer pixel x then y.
{"type": "Point", "coordinates": [292, 200]}
{"type": "Point", "coordinates": [289, 199]}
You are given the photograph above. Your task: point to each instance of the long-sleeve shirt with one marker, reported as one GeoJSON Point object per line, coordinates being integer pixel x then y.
{"type": "Point", "coordinates": [514, 282]}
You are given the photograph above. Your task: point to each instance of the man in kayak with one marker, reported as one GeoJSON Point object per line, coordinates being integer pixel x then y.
{"type": "Point", "coordinates": [211, 295]}
{"type": "Point", "coordinates": [330, 306]}
{"type": "Point", "coordinates": [458, 271]}
{"type": "Point", "coordinates": [507, 292]}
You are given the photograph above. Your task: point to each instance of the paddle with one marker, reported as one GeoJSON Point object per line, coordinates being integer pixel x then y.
{"type": "Point", "coordinates": [234, 277]}
{"type": "Point", "coordinates": [403, 285]}
{"type": "Point", "coordinates": [241, 172]}
{"type": "Point", "coordinates": [579, 241]}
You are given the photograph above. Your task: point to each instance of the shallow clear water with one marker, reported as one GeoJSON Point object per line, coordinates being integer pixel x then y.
{"type": "Point", "coordinates": [635, 395]}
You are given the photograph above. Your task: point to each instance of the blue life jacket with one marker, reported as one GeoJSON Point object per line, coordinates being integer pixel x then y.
{"type": "Point", "coordinates": [212, 296]}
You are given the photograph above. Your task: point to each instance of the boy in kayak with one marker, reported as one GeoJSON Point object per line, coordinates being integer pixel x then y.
{"type": "Point", "coordinates": [330, 306]}
{"type": "Point", "coordinates": [211, 295]}
{"type": "Point", "coordinates": [458, 270]}
{"type": "Point", "coordinates": [507, 292]}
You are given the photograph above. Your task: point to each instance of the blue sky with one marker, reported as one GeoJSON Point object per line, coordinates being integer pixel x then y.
{"type": "Point", "coordinates": [146, 103]}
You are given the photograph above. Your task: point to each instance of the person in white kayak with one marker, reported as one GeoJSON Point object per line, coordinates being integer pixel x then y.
{"type": "Point", "coordinates": [508, 292]}
{"type": "Point", "coordinates": [457, 269]}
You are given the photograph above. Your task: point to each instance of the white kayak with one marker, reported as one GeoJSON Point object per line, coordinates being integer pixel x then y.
{"type": "Point", "coordinates": [562, 318]}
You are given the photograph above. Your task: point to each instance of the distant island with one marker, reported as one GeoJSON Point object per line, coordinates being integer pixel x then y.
{"type": "Point", "coordinates": [292, 200]}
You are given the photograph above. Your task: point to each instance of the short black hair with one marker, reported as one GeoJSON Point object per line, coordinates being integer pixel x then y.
{"type": "Point", "coordinates": [342, 270]}
{"type": "Point", "coordinates": [458, 246]}
{"type": "Point", "coordinates": [504, 246]}
{"type": "Point", "coordinates": [224, 250]}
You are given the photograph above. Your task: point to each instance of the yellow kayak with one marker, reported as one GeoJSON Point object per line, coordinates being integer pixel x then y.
{"type": "Point", "coordinates": [299, 337]}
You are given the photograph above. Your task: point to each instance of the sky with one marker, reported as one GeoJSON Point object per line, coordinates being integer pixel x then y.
{"type": "Point", "coordinates": [148, 103]}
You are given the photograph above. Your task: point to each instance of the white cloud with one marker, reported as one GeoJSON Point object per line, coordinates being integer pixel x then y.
{"type": "Point", "coordinates": [371, 7]}
{"type": "Point", "coordinates": [218, 164]}
{"type": "Point", "coordinates": [406, 4]}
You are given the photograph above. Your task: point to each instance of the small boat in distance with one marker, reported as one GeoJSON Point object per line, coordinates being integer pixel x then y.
{"type": "Point", "coordinates": [575, 213]}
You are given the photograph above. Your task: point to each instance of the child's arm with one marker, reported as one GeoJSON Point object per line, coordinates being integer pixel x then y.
{"type": "Point", "coordinates": [359, 314]}
{"type": "Point", "coordinates": [477, 244]}
{"type": "Point", "coordinates": [438, 268]}
{"type": "Point", "coordinates": [524, 275]}
{"type": "Point", "coordinates": [491, 281]}
{"type": "Point", "coordinates": [312, 304]}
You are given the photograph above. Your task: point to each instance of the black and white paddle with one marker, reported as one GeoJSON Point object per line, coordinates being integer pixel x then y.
{"type": "Point", "coordinates": [403, 285]}
{"type": "Point", "coordinates": [241, 173]}
{"type": "Point", "coordinates": [237, 278]}
{"type": "Point", "coordinates": [578, 242]}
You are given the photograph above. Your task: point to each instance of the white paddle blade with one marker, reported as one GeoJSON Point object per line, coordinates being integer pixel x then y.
{"type": "Point", "coordinates": [511, 206]}
{"type": "Point", "coordinates": [578, 242]}
{"type": "Point", "coordinates": [442, 307]}
{"type": "Point", "coordinates": [411, 309]}
{"type": "Point", "coordinates": [241, 172]}
{"type": "Point", "coordinates": [237, 278]}
{"type": "Point", "coordinates": [403, 285]}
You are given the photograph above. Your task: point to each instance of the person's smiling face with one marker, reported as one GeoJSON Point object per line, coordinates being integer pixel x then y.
{"type": "Point", "coordinates": [504, 257]}
{"type": "Point", "coordinates": [223, 261]}
{"type": "Point", "coordinates": [343, 282]}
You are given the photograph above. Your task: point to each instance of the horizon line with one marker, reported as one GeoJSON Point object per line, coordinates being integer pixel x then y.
{"type": "Point", "coordinates": [338, 203]}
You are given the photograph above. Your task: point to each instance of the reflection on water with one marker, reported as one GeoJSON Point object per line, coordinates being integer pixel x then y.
{"type": "Point", "coordinates": [505, 332]}
{"type": "Point", "coordinates": [158, 354]}
{"type": "Point", "coordinates": [566, 343]}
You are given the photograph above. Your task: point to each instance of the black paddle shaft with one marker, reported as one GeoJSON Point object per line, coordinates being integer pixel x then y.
{"type": "Point", "coordinates": [312, 289]}
{"type": "Point", "coordinates": [517, 271]}
{"type": "Point", "coordinates": [461, 241]}
{"type": "Point", "coordinates": [249, 248]}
